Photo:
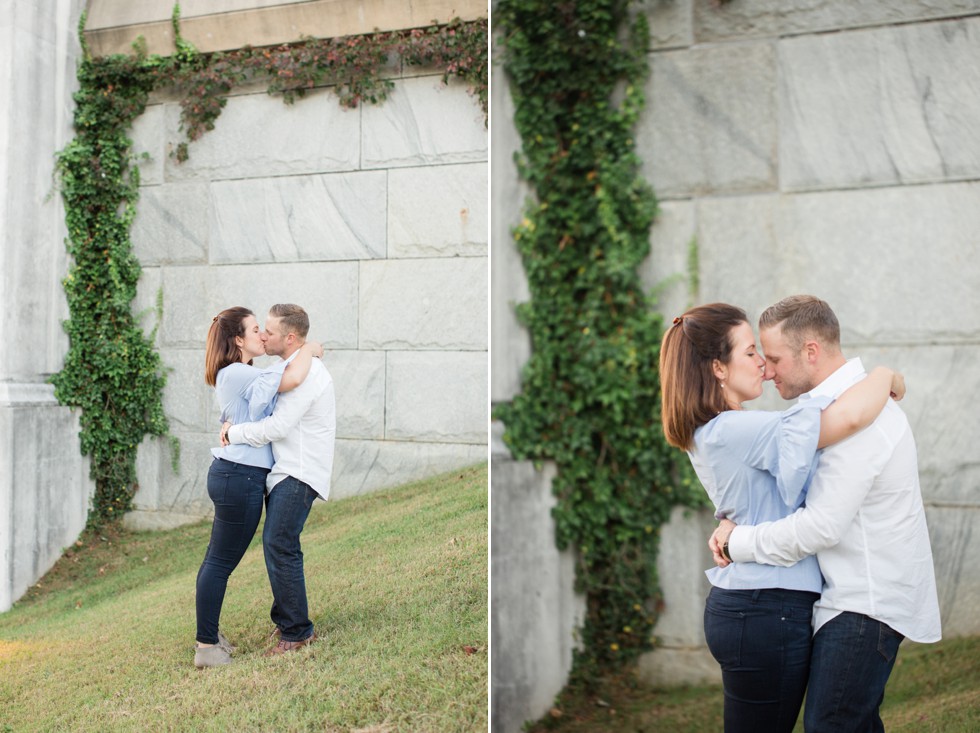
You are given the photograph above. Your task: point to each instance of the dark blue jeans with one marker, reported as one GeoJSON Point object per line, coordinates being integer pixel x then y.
{"type": "Point", "coordinates": [286, 509]}
{"type": "Point", "coordinates": [853, 656]}
{"type": "Point", "coordinates": [237, 491]}
{"type": "Point", "coordinates": [761, 639]}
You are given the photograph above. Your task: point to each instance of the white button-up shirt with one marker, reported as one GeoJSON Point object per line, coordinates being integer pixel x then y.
{"type": "Point", "coordinates": [302, 429]}
{"type": "Point", "coordinates": [865, 521]}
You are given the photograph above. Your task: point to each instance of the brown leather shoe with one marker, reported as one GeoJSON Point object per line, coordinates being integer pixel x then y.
{"type": "Point", "coordinates": [290, 646]}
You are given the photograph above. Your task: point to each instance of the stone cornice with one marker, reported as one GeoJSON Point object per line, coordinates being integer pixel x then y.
{"type": "Point", "coordinates": [221, 25]}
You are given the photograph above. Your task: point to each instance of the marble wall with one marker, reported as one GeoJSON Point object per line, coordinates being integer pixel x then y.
{"type": "Point", "coordinates": [44, 485]}
{"type": "Point", "coordinates": [374, 219]}
{"type": "Point", "coordinates": [535, 613]}
{"type": "Point", "coordinates": [802, 147]}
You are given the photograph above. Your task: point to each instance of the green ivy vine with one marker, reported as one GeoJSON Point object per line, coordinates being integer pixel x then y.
{"type": "Point", "coordinates": [352, 65]}
{"type": "Point", "coordinates": [112, 371]}
{"type": "Point", "coordinates": [590, 397]}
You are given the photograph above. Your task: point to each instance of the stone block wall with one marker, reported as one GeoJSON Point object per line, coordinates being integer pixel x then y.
{"type": "Point", "coordinates": [843, 164]}
{"type": "Point", "coordinates": [808, 147]}
{"type": "Point", "coordinates": [535, 613]}
{"type": "Point", "coordinates": [374, 220]}
{"type": "Point", "coordinates": [44, 488]}
{"type": "Point", "coordinates": [44, 485]}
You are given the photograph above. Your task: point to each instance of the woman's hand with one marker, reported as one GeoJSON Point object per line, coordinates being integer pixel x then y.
{"type": "Point", "coordinates": [898, 386]}
{"type": "Point", "coordinates": [316, 348]}
{"type": "Point", "coordinates": [299, 368]}
{"type": "Point", "coordinates": [223, 435]}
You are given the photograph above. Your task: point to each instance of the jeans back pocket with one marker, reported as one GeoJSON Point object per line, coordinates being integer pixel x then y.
{"type": "Point", "coordinates": [723, 628]}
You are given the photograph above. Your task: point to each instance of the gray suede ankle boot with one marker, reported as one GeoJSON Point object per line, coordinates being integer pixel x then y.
{"type": "Point", "coordinates": [210, 656]}
{"type": "Point", "coordinates": [224, 643]}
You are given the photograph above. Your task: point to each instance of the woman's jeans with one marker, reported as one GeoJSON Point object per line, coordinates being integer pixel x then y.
{"type": "Point", "coordinates": [238, 492]}
{"type": "Point", "coordinates": [762, 640]}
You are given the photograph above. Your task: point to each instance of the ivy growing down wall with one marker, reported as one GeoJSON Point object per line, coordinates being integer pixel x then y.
{"type": "Point", "coordinates": [112, 371]}
{"type": "Point", "coordinates": [590, 390]}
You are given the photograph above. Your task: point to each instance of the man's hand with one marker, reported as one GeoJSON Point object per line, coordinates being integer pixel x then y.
{"type": "Point", "coordinates": [717, 542]}
{"type": "Point", "coordinates": [224, 434]}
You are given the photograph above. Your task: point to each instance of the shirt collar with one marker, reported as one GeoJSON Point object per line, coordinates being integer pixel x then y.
{"type": "Point", "coordinates": [846, 375]}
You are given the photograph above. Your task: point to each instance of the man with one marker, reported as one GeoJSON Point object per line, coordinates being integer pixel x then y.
{"type": "Point", "coordinates": [301, 428]}
{"type": "Point", "coordinates": [863, 519]}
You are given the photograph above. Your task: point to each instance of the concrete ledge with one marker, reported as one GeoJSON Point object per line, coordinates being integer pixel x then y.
{"type": "Point", "coordinates": [20, 393]}
{"type": "Point", "coordinates": [670, 667]}
{"type": "Point", "coordinates": [44, 487]}
{"type": "Point", "coordinates": [112, 26]}
{"type": "Point", "coordinates": [535, 611]}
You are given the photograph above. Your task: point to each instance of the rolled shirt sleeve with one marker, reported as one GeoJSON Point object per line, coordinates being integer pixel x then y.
{"type": "Point", "coordinates": [261, 392]}
{"type": "Point", "coordinates": [788, 449]}
{"type": "Point", "coordinates": [782, 444]}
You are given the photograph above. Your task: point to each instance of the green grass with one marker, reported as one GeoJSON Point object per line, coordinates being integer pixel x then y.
{"type": "Point", "coordinates": [934, 688]}
{"type": "Point", "coordinates": [397, 584]}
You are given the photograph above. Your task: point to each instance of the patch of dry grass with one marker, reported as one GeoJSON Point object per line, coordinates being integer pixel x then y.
{"type": "Point", "coordinates": [397, 585]}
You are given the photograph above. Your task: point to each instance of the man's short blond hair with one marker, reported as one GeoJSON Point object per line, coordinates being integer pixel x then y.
{"type": "Point", "coordinates": [292, 319]}
{"type": "Point", "coordinates": [803, 317]}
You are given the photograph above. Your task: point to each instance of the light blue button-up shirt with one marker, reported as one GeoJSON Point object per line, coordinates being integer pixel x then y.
{"type": "Point", "coordinates": [246, 394]}
{"type": "Point", "coordinates": [755, 466]}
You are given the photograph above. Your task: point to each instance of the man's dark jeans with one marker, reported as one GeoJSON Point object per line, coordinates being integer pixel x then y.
{"type": "Point", "coordinates": [761, 639]}
{"type": "Point", "coordinates": [853, 656]}
{"type": "Point", "coordinates": [286, 508]}
{"type": "Point", "coordinates": [237, 491]}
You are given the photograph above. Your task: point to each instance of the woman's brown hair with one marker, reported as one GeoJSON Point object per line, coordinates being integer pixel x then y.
{"type": "Point", "coordinates": [691, 395]}
{"type": "Point", "coordinates": [221, 349]}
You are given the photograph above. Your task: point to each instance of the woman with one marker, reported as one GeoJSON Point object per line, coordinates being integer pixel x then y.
{"type": "Point", "coordinates": [236, 479]}
{"type": "Point", "coordinates": [754, 466]}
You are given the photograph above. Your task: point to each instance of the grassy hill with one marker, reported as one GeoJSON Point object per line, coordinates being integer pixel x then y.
{"type": "Point", "coordinates": [397, 585]}
{"type": "Point", "coordinates": [934, 688]}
